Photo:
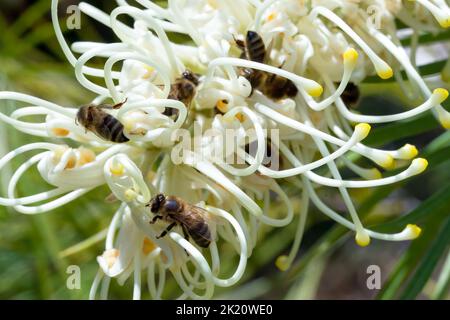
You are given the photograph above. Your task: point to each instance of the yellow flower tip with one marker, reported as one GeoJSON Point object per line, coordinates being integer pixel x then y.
{"type": "Point", "coordinates": [315, 91]}
{"type": "Point", "coordinates": [350, 55]}
{"type": "Point", "coordinates": [130, 195]}
{"type": "Point", "coordinates": [374, 174]}
{"type": "Point", "coordinates": [446, 124]}
{"type": "Point", "coordinates": [385, 73]}
{"type": "Point", "coordinates": [282, 263]}
{"type": "Point", "coordinates": [444, 119]}
{"type": "Point", "coordinates": [110, 256]}
{"type": "Point", "coordinates": [222, 105]}
{"type": "Point", "coordinates": [148, 246]}
{"type": "Point", "coordinates": [441, 94]}
{"type": "Point", "coordinates": [240, 117]}
{"type": "Point", "coordinates": [444, 22]}
{"type": "Point", "coordinates": [117, 170]}
{"type": "Point", "coordinates": [363, 130]}
{"type": "Point", "coordinates": [419, 165]}
{"type": "Point", "coordinates": [388, 162]}
{"type": "Point", "coordinates": [271, 16]}
{"type": "Point", "coordinates": [86, 156]}
{"type": "Point", "coordinates": [414, 230]}
{"type": "Point", "coordinates": [362, 239]}
{"type": "Point", "coordinates": [149, 72]}
{"type": "Point", "coordinates": [71, 163]}
{"type": "Point", "coordinates": [60, 132]}
{"type": "Point", "coordinates": [408, 151]}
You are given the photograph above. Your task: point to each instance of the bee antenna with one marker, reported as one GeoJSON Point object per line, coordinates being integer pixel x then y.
{"type": "Point", "coordinates": [117, 106]}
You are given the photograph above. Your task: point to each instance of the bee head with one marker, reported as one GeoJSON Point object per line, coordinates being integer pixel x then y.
{"type": "Point", "coordinates": [192, 77]}
{"type": "Point", "coordinates": [187, 91]}
{"type": "Point", "coordinates": [84, 115]}
{"type": "Point", "coordinates": [157, 202]}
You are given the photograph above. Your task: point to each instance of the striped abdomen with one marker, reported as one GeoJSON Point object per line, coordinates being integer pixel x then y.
{"type": "Point", "coordinates": [111, 129]}
{"type": "Point", "coordinates": [256, 50]}
{"type": "Point", "coordinates": [200, 233]}
{"type": "Point", "coordinates": [255, 77]}
{"type": "Point", "coordinates": [277, 87]}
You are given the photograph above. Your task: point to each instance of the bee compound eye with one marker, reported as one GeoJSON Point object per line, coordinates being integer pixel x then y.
{"type": "Point", "coordinates": [156, 202]}
{"type": "Point", "coordinates": [154, 207]}
{"type": "Point", "coordinates": [160, 198]}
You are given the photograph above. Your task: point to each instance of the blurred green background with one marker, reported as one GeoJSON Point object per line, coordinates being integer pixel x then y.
{"type": "Point", "coordinates": [36, 250]}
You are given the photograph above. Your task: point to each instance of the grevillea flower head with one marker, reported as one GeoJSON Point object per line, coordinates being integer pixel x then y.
{"type": "Point", "coordinates": [319, 46]}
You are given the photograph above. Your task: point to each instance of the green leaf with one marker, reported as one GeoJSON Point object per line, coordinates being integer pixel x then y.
{"type": "Point", "coordinates": [428, 38]}
{"type": "Point", "coordinates": [421, 251]}
{"type": "Point", "coordinates": [434, 206]}
{"type": "Point", "coordinates": [443, 284]}
{"type": "Point", "coordinates": [428, 263]}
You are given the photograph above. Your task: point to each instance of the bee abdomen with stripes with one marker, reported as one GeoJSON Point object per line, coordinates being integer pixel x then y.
{"type": "Point", "coordinates": [104, 125]}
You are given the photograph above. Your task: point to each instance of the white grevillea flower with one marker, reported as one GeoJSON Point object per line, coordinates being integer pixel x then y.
{"type": "Point", "coordinates": [320, 46]}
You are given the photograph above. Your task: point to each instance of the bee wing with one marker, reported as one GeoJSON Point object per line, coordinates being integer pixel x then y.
{"type": "Point", "coordinates": [101, 135]}
{"type": "Point", "coordinates": [195, 215]}
{"type": "Point", "coordinates": [210, 221]}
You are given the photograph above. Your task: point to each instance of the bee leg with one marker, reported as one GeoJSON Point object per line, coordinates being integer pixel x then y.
{"type": "Point", "coordinates": [167, 230]}
{"type": "Point", "coordinates": [185, 233]}
{"type": "Point", "coordinates": [155, 218]}
{"type": "Point", "coordinates": [186, 236]}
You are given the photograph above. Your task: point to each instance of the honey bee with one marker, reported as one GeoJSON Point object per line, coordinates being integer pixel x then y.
{"type": "Point", "coordinates": [95, 119]}
{"type": "Point", "coordinates": [351, 94]}
{"type": "Point", "coordinates": [272, 85]}
{"type": "Point", "coordinates": [176, 211]}
{"type": "Point", "coordinates": [183, 90]}
{"type": "Point", "coordinates": [253, 49]}
{"type": "Point", "coordinates": [276, 87]}
{"type": "Point", "coordinates": [271, 156]}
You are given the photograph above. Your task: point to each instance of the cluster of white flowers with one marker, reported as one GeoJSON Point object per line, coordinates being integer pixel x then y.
{"type": "Point", "coordinates": [317, 43]}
